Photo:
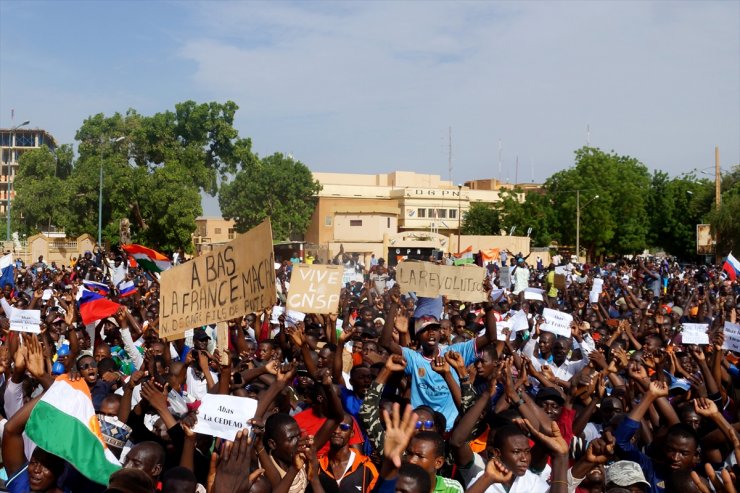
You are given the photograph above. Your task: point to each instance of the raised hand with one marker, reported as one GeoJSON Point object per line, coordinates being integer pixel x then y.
{"type": "Point", "coordinates": [154, 394]}
{"type": "Point", "coordinates": [232, 467]}
{"type": "Point", "coordinates": [401, 323]}
{"type": "Point", "coordinates": [600, 450]}
{"type": "Point", "coordinates": [286, 373]}
{"type": "Point", "coordinates": [658, 389]}
{"type": "Point", "coordinates": [35, 362]}
{"type": "Point", "coordinates": [440, 365]}
{"type": "Point", "coordinates": [555, 443]}
{"type": "Point", "coordinates": [497, 472]}
{"type": "Point", "coordinates": [455, 360]}
{"type": "Point", "coordinates": [395, 363]}
{"type": "Point", "coordinates": [398, 432]}
{"type": "Point", "coordinates": [705, 407]}
{"type": "Point", "coordinates": [296, 335]}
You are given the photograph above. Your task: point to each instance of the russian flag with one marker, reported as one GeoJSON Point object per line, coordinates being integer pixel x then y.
{"type": "Point", "coordinates": [8, 271]}
{"type": "Point", "coordinates": [126, 288]}
{"type": "Point", "coordinates": [94, 307]}
{"type": "Point", "coordinates": [97, 287]}
{"type": "Point", "coordinates": [731, 267]}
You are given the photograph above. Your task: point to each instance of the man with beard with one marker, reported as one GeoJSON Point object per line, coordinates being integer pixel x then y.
{"type": "Point", "coordinates": [351, 470]}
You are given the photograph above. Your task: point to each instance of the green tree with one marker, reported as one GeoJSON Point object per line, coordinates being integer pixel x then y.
{"type": "Point", "coordinates": [481, 219]}
{"type": "Point", "coordinates": [277, 187]}
{"type": "Point", "coordinates": [616, 221]}
{"type": "Point", "coordinates": [153, 176]}
{"type": "Point", "coordinates": [534, 212]}
{"type": "Point", "coordinates": [724, 220]}
{"type": "Point", "coordinates": [41, 193]}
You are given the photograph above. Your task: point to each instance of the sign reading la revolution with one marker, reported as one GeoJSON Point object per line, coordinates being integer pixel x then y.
{"type": "Point", "coordinates": [231, 281]}
{"type": "Point", "coordinates": [462, 282]}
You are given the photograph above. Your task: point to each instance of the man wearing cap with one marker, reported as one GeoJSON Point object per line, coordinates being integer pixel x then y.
{"type": "Point", "coordinates": [427, 386]}
{"type": "Point", "coordinates": [626, 474]}
{"type": "Point", "coordinates": [199, 377]}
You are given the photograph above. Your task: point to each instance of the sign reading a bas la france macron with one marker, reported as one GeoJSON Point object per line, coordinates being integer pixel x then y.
{"type": "Point", "coordinates": [231, 281]}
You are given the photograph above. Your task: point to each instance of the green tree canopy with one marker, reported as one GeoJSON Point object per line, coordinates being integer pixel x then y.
{"type": "Point", "coordinates": [724, 220]}
{"type": "Point", "coordinates": [481, 219]}
{"type": "Point", "coordinates": [277, 187]}
{"type": "Point", "coordinates": [154, 168]}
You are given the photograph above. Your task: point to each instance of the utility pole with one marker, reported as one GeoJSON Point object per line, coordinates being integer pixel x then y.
{"type": "Point", "coordinates": [578, 226]}
{"type": "Point", "coordinates": [717, 178]}
{"type": "Point", "coordinates": [449, 152]}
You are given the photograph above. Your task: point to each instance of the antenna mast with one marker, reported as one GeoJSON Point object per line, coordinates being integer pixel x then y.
{"type": "Point", "coordinates": [449, 152]}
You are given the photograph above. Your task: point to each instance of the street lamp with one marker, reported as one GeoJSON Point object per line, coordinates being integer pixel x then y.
{"type": "Point", "coordinates": [12, 145]}
{"type": "Point", "coordinates": [100, 192]}
{"type": "Point", "coordinates": [459, 217]}
{"type": "Point", "coordinates": [578, 222]}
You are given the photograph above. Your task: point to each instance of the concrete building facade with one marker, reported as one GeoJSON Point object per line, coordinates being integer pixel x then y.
{"type": "Point", "coordinates": [13, 143]}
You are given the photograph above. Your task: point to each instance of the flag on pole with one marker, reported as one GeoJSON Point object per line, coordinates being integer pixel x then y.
{"type": "Point", "coordinates": [148, 259]}
{"type": "Point", "coordinates": [97, 287]}
{"type": "Point", "coordinates": [126, 288]}
{"type": "Point", "coordinates": [464, 257]}
{"type": "Point", "coordinates": [7, 276]}
{"type": "Point", "coordinates": [731, 267]}
{"type": "Point", "coordinates": [64, 423]}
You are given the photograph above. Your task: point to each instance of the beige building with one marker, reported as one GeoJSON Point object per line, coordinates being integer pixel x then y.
{"type": "Point", "coordinates": [399, 213]}
{"type": "Point", "coordinates": [211, 232]}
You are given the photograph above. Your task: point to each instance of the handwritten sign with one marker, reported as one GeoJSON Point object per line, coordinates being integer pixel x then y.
{"type": "Point", "coordinates": [732, 337]}
{"type": "Point", "coordinates": [557, 322]}
{"type": "Point", "coordinates": [22, 320]}
{"type": "Point", "coordinates": [315, 288]}
{"type": "Point", "coordinates": [463, 282]}
{"type": "Point", "coordinates": [26, 320]}
{"type": "Point", "coordinates": [223, 415]}
{"type": "Point", "coordinates": [695, 334]}
{"type": "Point", "coordinates": [231, 281]}
{"type": "Point", "coordinates": [292, 317]}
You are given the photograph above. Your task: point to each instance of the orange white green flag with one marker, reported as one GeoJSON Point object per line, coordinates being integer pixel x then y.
{"type": "Point", "coordinates": [148, 259]}
{"type": "Point", "coordinates": [64, 423]}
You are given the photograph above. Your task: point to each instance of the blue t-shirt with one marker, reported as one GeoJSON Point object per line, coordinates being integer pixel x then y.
{"type": "Point", "coordinates": [428, 388]}
{"type": "Point", "coordinates": [19, 482]}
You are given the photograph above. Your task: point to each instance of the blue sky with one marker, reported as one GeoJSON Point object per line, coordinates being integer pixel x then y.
{"type": "Point", "coordinates": [374, 87]}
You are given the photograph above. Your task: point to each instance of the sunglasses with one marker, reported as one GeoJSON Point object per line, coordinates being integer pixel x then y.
{"type": "Point", "coordinates": [425, 425]}
{"type": "Point", "coordinates": [87, 366]}
{"type": "Point", "coordinates": [345, 426]}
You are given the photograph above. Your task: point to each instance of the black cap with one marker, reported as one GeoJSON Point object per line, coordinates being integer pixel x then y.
{"type": "Point", "coordinates": [201, 335]}
{"type": "Point", "coordinates": [550, 394]}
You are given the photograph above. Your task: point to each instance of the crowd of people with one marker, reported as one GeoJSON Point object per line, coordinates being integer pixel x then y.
{"type": "Point", "coordinates": [393, 392]}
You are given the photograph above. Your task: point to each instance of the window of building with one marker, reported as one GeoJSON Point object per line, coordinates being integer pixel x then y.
{"type": "Point", "coordinates": [355, 222]}
{"type": "Point", "coordinates": [389, 222]}
{"type": "Point", "coordinates": [217, 231]}
{"type": "Point", "coordinates": [453, 213]}
{"type": "Point", "coordinates": [327, 221]}
{"type": "Point", "coordinates": [421, 212]}
{"type": "Point", "coordinates": [231, 233]}
{"type": "Point", "coordinates": [5, 139]}
{"type": "Point", "coordinates": [24, 140]}
{"type": "Point", "coordinates": [442, 213]}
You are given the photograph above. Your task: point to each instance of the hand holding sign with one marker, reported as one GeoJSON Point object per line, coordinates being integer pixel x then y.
{"type": "Point", "coordinates": [557, 322]}
{"type": "Point", "coordinates": [224, 415]}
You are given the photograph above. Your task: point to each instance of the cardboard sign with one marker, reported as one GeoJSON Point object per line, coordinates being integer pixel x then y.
{"type": "Point", "coordinates": [231, 281]}
{"type": "Point", "coordinates": [461, 282]}
{"type": "Point", "coordinates": [223, 415]}
{"type": "Point", "coordinates": [556, 322]}
{"type": "Point", "coordinates": [732, 337]}
{"type": "Point", "coordinates": [315, 288]}
{"type": "Point", "coordinates": [222, 341]}
{"type": "Point", "coordinates": [559, 282]}
{"type": "Point", "coordinates": [695, 334]}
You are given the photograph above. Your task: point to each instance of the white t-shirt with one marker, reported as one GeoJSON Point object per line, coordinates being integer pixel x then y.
{"type": "Point", "coordinates": [529, 483]}
{"type": "Point", "coordinates": [198, 387]}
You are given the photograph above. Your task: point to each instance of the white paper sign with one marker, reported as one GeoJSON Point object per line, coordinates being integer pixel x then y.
{"type": "Point", "coordinates": [598, 285]}
{"type": "Point", "coordinates": [223, 415]}
{"type": "Point", "coordinates": [519, 321]}
{"type": "Point", "coordinates": [732, 337]}
{"type": "Point", "coordinates": [695, 334]}
{"type": "Point", "coordinates": [497, 295]}
{"type": "Point", "coordinates": [26, 320]}
{"type": "Point", "coordinates": [560, 269]}
{"type": "Point", "coordinates": [557, 322]}
{"type": "Point", "coordinates": [500, 327]}
{"type": "Point", "coordinates": [292, 317]}
{"type": "Point", "coordinates": [535, 294]}
{"type": "Point", "coordinates": [593, 297]}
